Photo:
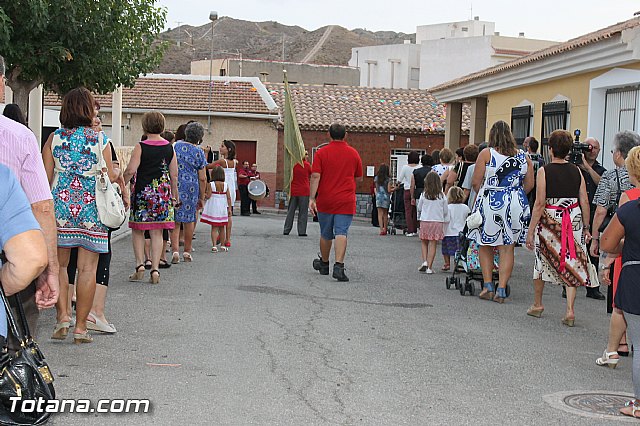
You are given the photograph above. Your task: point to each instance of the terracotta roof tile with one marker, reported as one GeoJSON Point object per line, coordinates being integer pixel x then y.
{"type": "Point", "coordinates": [573, 44]}
{"type": "Point", "coordinates": [185, 94]}
{"type": "Point", "coordinates": [365, 109]}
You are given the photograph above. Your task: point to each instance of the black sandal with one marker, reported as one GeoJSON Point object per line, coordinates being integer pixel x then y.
{"type": "Point", "coordinates": [147, 264]}
{"type": "Point", "coordinates": [154, 279]}
{"type": "Point", "coordinates": [623, 353]}
{"type": "Point", "coordinates": [164, 264]}
{"type": "Point", "coordinates": [138, 274]}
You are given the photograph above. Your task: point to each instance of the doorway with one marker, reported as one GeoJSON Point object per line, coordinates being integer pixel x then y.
{"type": "Point", "coordinates": [246, 151]}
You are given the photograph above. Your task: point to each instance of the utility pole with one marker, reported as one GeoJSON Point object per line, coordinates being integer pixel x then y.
{"type": "Point", "coordinates": [282, 47]}
{"type": "Point", "coordinates": [179, 32]}
{"type": "Point", "coordinates": [213, 17]}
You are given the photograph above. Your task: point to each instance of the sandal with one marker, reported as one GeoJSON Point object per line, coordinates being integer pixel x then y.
{"type": "Point", "coordinates": [500, 296]}
{"type": "Point", "coordinates": [154, 279]}
{"type": "Point", "coordinates": [569, 322]}
{"type": "Point", "coordinates": [446, 267]}
{"type": "Point", "coordinates": [175, 257]}
{"type": "Point", "coordinates": [623, 353]}
{"type": "Point", "coordinates": [214, 249]}
{"type": "Point", "coordinates": [606, 359]}
{"type": "Point", "coordinates": [99, 325]}
{"type": "Point", "coordinates": [227, 244]}
{"type": "Point", "coordinates": [634, 409]}
{"type": "Point", "coordinates": [147, 264]}
{"type": "Point", "coordinates": [61, 330]}
{"type": "Point", "coordinates": [535, 312]}
{"type": "Point", "coordinates": [138, 275]}
{"type": "Point", "coordinates": [82, 337]}
{"type": "Point", "coordinates": [224, 249]}
{"type": "Point", "coordinates": [186, 257]}
{"type": "Point", "coordinates": [164, 264]}
{"type": "Point", "coordinates": [487, 292]}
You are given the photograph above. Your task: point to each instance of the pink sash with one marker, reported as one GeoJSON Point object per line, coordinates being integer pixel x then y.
{"type": "Point", "coordinates": [567, 234]}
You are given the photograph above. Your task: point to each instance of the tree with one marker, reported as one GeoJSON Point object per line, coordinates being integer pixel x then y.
{"type": "Point", "coordinates": [71, 43]}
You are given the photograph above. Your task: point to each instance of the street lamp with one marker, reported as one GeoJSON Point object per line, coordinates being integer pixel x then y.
{"type": "Point", "coordinates": [213, 17]}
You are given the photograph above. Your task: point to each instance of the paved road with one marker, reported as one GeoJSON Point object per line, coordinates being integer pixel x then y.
{"type": "Point", "coordinates": [261, 338]}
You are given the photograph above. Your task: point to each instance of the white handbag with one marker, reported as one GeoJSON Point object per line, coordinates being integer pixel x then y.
{"type": "Point", "coordinates": [474, 220]}
{"type": "Point", "coordinates": [111, 211]}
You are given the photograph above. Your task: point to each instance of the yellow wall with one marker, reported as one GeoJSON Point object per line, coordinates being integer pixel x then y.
{"type": "Point", "coordinates": [575, 88]}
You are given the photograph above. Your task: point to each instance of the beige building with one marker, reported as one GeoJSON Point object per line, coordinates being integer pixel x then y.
{"type": "Point", "coordinates": [273, 71]}
{"type": "Point", "coordinates": [591, 83]}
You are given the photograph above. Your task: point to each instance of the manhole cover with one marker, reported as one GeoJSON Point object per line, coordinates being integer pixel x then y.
{"type": "Point", "coordinates": [598, 403]}
{"type": "Point", "coordinates": [595, 404]}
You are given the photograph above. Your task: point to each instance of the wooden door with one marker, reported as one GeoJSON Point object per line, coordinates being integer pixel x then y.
{"type": "Point", "coordinates": [246, 151]}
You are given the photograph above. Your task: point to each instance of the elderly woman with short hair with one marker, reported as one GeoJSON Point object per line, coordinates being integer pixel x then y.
{"type": "Point", "coordinates": [192, 182]}
{"type": "Point", "coordinates": [560, 227]}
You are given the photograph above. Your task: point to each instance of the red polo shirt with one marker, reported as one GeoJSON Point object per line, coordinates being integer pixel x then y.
{"type": "Point", "coordinates": [243, 180]}
{"type": "Point", "coordinates": [300, 181]}
{"type": "Point", "coordinates": [338, 165]}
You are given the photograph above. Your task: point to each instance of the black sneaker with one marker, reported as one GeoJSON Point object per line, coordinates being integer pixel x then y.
{"type": "Point", "coordinates": [594, 293]}
{"type": "Point", "coordinates": [564, 292]}
{"type": "Point", "coordinates": [320, 266]}
{"type": "Point", "coordinates": [338, 272]}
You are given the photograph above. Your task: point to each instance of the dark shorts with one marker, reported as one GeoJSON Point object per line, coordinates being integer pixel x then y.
{"type": "Point", "coordinates": [450, 245]}
{"type": "Point", "coordinates": [334, 224]}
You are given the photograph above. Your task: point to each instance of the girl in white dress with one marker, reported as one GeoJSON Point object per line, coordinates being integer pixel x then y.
{"type": "Point", "coordinates": [228, 164]}
{"type": "Point", "coordinates": [217, 210]}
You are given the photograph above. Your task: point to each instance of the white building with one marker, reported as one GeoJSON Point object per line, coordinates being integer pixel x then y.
{"type": "Point", "coordinates": [442, 52]}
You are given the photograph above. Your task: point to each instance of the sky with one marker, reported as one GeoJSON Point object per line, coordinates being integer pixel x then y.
{"type": "Point", "coordinates": [557, 20]}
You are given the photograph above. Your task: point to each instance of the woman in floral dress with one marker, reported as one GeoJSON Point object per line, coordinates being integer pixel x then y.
{"type": "Point", "coordinates": [192, 182]}
{"type": "Point", "coordinates": [71, 157]}
{"type": "Point", "coordinates": [154, 194]}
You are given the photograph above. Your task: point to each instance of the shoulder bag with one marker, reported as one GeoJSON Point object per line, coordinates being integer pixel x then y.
{"type": "Point", "coordinates": [111, 209]}
{"type": "Point", "coordinates": [612, 209]}
{"type": "Point", "coordinates": [24, 374]}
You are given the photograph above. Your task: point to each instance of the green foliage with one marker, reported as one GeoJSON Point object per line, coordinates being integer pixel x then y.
{"type": "Point", "coordinates": [68, 43]}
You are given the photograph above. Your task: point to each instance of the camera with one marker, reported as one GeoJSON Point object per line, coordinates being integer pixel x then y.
{"type": "Point", "coordinates": [578, 148]}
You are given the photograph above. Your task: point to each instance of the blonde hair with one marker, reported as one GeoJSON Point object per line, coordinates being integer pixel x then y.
{"type": "Point", "coordinates": [633, 163]}
{"type": "Point", "coordinates": [432, 186]}
{"type": "Point", "coordinates": [446, 156]}
{"type": "Point", "coordinates": [455, 195]}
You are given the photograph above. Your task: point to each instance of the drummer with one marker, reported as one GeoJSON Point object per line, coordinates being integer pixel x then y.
{"type": "Point", "coordinates": [244, 177]}
{"type": "Point", "coordinates": [253, 175]}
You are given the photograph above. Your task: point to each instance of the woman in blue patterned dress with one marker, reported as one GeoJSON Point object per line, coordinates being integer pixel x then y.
{"type": "Point", "coordinates": [192, 182]}
{"type": "Point", "coordinates": [71, 157]}
{"type": "Point", "coordinates": [502, 201]}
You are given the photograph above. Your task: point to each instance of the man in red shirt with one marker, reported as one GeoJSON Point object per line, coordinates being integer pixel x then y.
{"type": "Point", "coordinates": [244, 177]}
{"type": "Point", "coordinates": [333, 180]}
{"type": "Point", "coordinates": [253, 175]}
{"type": "Point", "coordinates": [299, 199]}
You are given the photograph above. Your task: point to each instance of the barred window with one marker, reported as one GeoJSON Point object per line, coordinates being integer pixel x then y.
{"type": "Point", "coordinates": [521, 122]}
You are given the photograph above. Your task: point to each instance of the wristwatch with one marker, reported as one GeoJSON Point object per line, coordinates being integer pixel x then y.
{"type": "Point", "coordinates": [605, 267]}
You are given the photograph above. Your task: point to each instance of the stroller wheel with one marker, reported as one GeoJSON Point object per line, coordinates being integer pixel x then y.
{"type": "Point", "coordinates": [461, 288]}
{"type": "Point", "coordinates": [447, 282]}
{"type": "Point", "coordinates": [508, 290]}
{"type": "Point", "coordinates": [455, 282]}
{"type": "Point", "coordinates": [472, 289]}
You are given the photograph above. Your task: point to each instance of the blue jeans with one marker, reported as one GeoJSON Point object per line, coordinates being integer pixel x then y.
{"type": "Point", "coordinates": [334, 224]}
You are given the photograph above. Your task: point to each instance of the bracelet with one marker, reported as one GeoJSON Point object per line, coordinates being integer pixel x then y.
{"type": "Point", "coordinates": [604, 268]}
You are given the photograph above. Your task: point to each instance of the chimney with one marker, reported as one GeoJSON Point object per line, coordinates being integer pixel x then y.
{"type": "Point", "coordinates": [476, 18]}
{"type": "Point", "coordinates": [520, 34]}
{"type": "Point", "coordinates": [407, 42]}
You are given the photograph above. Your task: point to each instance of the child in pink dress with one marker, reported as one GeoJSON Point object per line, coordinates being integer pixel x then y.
{"type": "Point", "coordinates": [433, 212]}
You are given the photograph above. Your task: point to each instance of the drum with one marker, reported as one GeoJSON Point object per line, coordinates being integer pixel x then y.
{"type": "Point", "coordinates": [257, 189]}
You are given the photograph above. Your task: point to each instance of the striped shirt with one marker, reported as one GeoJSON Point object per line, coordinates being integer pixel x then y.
{"type": "Point", "coordinates": [607, 194]}
{"type": "Point", "coordinates": [20, 152]}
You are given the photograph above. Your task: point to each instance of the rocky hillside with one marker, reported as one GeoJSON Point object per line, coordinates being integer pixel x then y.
{"type": "Point", "coordinates": [265, 40]}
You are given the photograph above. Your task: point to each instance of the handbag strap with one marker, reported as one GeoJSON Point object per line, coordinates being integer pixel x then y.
{"type": "Point", "coordinates": [13, 327]}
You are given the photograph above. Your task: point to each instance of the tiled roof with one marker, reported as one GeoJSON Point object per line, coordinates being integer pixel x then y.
{"type": "Point", "coordinates": [365, 109]}
{"type": "Point", "coordinates": [573, 44]}
{"type": "Point", "coordinates": [188, 94]}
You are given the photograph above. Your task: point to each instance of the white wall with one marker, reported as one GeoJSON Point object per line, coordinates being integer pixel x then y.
{"type": "Point", "coordinates": [454, 30]}
{"type": "Point", "coordinates": [448, 59]}
{"type": "Point", "coordinates": [407, 54]}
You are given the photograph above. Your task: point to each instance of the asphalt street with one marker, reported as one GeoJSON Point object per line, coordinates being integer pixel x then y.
{"type": "Point", "coordinates": [256, 336]}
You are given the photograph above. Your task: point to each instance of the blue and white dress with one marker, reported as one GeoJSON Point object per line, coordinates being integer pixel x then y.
{"type": "Point", "coordinates": [502, 202]}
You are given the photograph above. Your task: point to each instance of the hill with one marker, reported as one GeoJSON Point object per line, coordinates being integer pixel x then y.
{"type": "Point", "coordinates": [267, 40]}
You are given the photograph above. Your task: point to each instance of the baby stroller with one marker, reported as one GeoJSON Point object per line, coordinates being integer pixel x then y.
{"type": "Point", "coordinates": [396, 212]}
{"type": "Point", "coordinates": [467, 260]}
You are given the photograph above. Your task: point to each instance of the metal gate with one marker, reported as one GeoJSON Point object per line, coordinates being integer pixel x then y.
{"type": "Point", "coordinates": [621, 108]}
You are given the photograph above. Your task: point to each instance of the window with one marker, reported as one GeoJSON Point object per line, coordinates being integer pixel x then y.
{"type": "Point", "coordinates": [555, 115]}
{"type": "Point", "coordinates": [521, 122]}
{"type": "Point", "coordinates": [415, 74]}
{"type": "Point", "coordinates": [223, 72]}
{"type": "Point", "coordinates": [398, 159]}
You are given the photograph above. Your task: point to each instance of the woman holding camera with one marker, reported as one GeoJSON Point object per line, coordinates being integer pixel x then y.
{"type": "Point", "coordinates": [559, 227]}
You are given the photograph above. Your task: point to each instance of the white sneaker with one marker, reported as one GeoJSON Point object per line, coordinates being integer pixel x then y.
{"type": "Point", "coordinates": [424, 267]}
{"type": "Point", "coordinates": [410, 234]}
{"type": "Point", "coordinates": [428, 271]}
